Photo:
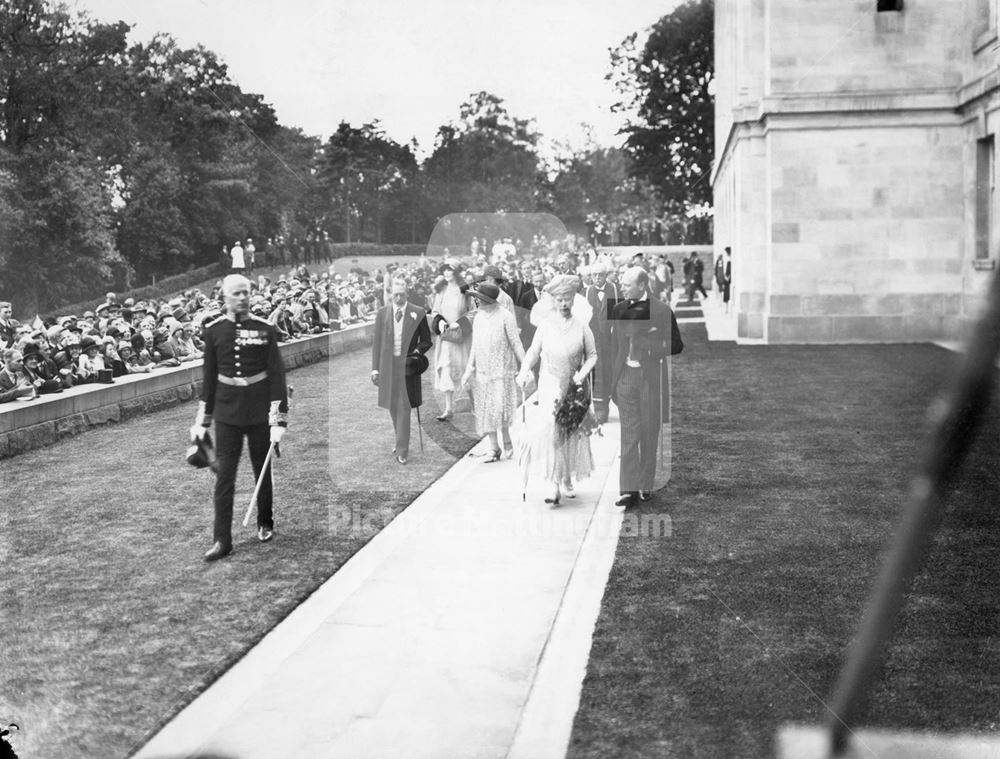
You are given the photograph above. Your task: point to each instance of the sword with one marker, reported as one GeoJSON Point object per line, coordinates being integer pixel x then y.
{"type": "Point", "coordinates": [264, 469]}
{"type": "Point", "coordinates": [260, 482]}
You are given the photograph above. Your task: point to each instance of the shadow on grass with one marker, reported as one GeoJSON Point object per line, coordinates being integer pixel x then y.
{"type": "Point", "coordinates": [789, 474]}
{"type": "Point", "coordinates": [108, 614]}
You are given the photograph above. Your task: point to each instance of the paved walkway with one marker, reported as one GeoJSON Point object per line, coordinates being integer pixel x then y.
{"type": "Point", "coordinates": [462, 629]}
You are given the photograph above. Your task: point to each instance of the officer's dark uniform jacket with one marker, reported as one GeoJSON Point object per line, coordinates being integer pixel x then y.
{"type": "Point", "coordinates": [244, 375]}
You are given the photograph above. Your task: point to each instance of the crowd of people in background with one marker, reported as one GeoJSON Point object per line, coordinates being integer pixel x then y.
{"type": "Point", "coordinates": [139, 336]}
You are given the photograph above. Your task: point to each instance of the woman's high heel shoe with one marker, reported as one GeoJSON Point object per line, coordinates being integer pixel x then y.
{"type": "Point", "coordinates": [567, 488]}
{"type": "Point", "coordinates": [445, 416]}
{"type": "Point", "coordinates": [495, 456]}
{"type": "Point", "coordinates": [508, 450]}
{"type": "Point", "coordinates": [554, 498]}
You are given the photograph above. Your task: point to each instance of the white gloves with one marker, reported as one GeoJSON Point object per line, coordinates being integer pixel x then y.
{"type": "Point", "coordinates": [277, 432]}
{"type": "Point", "coordinates": [198, 432]}
{"type": "Point", "coordinates": [375, 377]}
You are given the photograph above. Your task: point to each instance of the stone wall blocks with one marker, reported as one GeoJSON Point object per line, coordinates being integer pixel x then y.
{"type": "Point", "coordinates": [24, 427]}
{"type": "Point", "coordinates": [800, 329]}
{"type": "Point", "coordinates": [785, 305]}
{"type": "Point", "coordinates": [868, 328]}
{"type": "Point", "coordinates": [785, 232]}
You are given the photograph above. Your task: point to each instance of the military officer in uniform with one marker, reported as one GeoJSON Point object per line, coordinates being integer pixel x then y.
{"type": "Point", "coordinates": [244, 391]}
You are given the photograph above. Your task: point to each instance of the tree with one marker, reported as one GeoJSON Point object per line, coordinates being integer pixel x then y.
{"type": "Point", "coordinates": [664, 90]}
{"type": "Point", "coordinates": [487, 164]}
{"type": "Point", "coordinates": [57, 83]}
{"type": "Point", "coordinates": [364, 173]}
{"type": "Point", "coordinates": [589, 182]}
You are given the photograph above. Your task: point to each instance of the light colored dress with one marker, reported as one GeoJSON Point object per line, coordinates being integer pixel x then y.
{"type": "Point", "coordinates": [450, 359]}
{"type": "Point", "coordinates": [565, 346]}
{"type": "Point", "coordinates": [495, 350]}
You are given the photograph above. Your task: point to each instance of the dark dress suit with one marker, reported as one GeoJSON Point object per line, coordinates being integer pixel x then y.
{"type": "Point", "coordinates": [600, 299]}
{"type": "Point", "coordinates": [527, 301]}
{"type": "Point", "coordinates": [641, 393]}
{"type": "Point", "coordinates": [398, 392]}
{"type": "Point", "coordinates": [244, 391]}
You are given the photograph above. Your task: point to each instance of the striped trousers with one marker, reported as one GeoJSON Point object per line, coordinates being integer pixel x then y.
{"type": "Point", "coordinates": [639, 410]}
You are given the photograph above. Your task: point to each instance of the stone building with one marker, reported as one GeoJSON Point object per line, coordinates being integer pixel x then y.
{"type": "Point", "coordinates": [855, 167]}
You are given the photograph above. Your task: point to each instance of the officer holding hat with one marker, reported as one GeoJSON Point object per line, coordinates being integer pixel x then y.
{"type": "Point", "coordinates": [245, 392]}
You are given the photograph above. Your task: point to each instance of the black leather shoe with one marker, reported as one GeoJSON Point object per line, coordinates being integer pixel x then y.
{"type": "Point", "coordinates": [264, 534]}
{"type": "Point", "coordinates": [626, 499]}
{"type": "Point", "coordinates": [645, 495]}
{"type": "Point", "coordinates": [217, 551]}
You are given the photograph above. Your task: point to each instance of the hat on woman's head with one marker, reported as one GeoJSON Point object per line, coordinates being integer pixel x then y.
{"type": "Point", "coordinates": [87, 343]}
{"type": "Point", "coordinates": [31, 349]}
{"type": "Point", "coordinates": [449, 264]}
{"type": "Point", "coordinates": [485, 292]}
{"type": "Point", "coordinates": [563, 284]}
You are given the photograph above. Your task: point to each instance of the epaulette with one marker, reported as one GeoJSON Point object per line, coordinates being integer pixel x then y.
{"type": "Point", "coordinates": [210, 322]}
{"type": "Point", "coordinates": [255, 318]}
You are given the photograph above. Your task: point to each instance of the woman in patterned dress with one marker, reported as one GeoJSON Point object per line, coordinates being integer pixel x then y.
{"type": "Point", "coordinates": [493, 361]}
{"type": "Point", "coordinates": [566, 347]}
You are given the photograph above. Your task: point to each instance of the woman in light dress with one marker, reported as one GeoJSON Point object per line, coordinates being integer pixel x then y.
{"type": "Point", "coordinates": [493, 361]}
{"type": "Point", "coordinates": [565, 345]}
{"type": "Point", "coordinates": [451, 307]}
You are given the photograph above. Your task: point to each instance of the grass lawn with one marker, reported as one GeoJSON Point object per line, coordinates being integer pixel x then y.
{"type": "Point", "coordinates": [790, 465]}
{"type": "Point", "coordinates": [110, 621]}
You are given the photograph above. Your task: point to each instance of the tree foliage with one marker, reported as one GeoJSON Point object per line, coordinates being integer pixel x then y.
{"type": "Point", "coordinates": [664, 89]}
{"type": "Point", "coordinates": [488, 163]}
{"type": "Point", "coordinates": [365, 174]}
{"type": "Point", "coordinates": [124, 161]}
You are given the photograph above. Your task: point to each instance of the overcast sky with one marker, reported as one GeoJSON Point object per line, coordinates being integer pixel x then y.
{"type": "Point", "coordinates": [409, 64]}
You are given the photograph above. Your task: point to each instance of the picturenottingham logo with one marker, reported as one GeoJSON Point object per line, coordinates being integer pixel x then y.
{"type": "Point", "coordinates": [8, 728]}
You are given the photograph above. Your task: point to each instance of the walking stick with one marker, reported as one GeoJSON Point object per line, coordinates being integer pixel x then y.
{"type": "Point", "coordinates": [661, 414]}
{"type": "Point", "coordinates": [420, 430]}
{"type": "Point", "coordinates": [264, 470]}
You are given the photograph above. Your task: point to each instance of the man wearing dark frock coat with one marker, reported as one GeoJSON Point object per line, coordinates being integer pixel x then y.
{"type": "Point", "coordinates": [644, 333]}
{"type": "Point", "coordinates": [402, 337]}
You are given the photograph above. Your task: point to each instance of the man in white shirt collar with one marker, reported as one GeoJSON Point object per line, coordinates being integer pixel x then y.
{"type": "Point", "coordinates": [644, 335]}
{"type": "Point", "coordinates": [401, 334]}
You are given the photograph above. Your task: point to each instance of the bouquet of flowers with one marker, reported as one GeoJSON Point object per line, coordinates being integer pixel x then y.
{"type": "Point", "coordinates": [573, 413]}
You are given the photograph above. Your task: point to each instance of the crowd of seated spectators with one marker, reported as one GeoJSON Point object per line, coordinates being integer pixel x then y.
{"type": "Point", "coordinates": [134, 337]}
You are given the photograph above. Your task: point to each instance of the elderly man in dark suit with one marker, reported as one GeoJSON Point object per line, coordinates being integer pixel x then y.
{"type": "Point", "coordinates": [601, 295]}
{"type": "Point", "coordinates": [402, 337]}
{"type": "Point", "coordinates": [644, 333]}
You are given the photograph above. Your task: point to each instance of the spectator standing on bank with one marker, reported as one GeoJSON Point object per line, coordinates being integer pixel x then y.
{"type": "Point", "coordinates": [237, 259]}
{"type": "Point", "coordinates": [249, 256]}
{"type": "Point", "coordinates": [8, 330]}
